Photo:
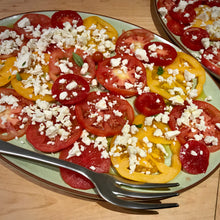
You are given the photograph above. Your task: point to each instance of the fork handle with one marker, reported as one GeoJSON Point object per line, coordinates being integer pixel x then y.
{"type": "Point", "coordinates": [10, 149]}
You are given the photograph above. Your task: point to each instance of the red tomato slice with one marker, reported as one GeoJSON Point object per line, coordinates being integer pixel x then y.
{"type": "Point", "coordinates": [45, 144]}
{"type": "Point", "coordinates": [194, 157]}
{"type": "Point", "coordinates": [12, 122]}
{"type": "Point", "coordinates": [16, 49]}
{"type": "Point", "coordinates": [90, 158]}
{"type": "Point", "coordinates": [161, 54]}
{"type": "Point", "coordinates": [185, 17]}
{"type": "Point", "coordinates": [131, 40]}
{"type": "Point", "coordinates": [104, 114]}
{"type": "Point", "coordinates": [122, 74]}
{"type": "Point", "coordinates": [212, 3]}
{"type": "Point", "coordinates": [60, 17]}
{"type": "Point", "coordinates": [211, 58]}
{"type": "Point", "coordinates": [166, 3]}
{"type": "Point", "coordinates": [58, 55]}
{"type": "Point", "coordinates": [192, 37]}
{"type": "Point", "coordinates": [40, 20]}
{"type": "Point", "coordinates": [174, 26]}
{"type": "Point", "coordinates": [70, 89]}
{"type": "Point", "coordinates": [149, 104]}
{"type": "Point", "coordinates": [209, 130]}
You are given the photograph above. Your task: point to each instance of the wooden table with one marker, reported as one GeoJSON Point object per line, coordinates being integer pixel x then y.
{"type": "Point", "coordinates": [22, 198]}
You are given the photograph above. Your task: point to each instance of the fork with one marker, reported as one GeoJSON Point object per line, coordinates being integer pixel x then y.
{"type": "Point", "coordinates": [110, 187]}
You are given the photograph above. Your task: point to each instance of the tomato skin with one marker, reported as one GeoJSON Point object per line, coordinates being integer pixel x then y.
{"type": "Point", "coordinates": [58, 54]}
{"type": "Point", "coordinates": [82, 89]}
{"type": "Point", "coordinates": [211, 115]}
{"type": "Point", "coordinates": [115, 79]}
{"type": "Point", "coordinates": [40, 142]}
{"type": "Point", "coordinates": [97, 57]}
{"type": "Point", "coordinates": [174, 26]}
{"type": "Point", "coordinates": [165, 3]}
{"type": "Point", "coordinates": [60, 17]}
{"type": "Point", "coordinates": [86, 114]}
{"type": "Point", "coordinates": [149, 104]}
{"type": "Point", "coordinates": [164, 56]}
{"type": "Point", "coordinates": [213, 62]}
{"type": "Point", "coordinates": [136, 37]}
{"type": "Point", "coordinates": [91, 156]}
{"type": "Point", "coordinates": [35, 19]}
{"type": "Point", "coordinates": [13, 126]}
{"type": "Point", "coordinates": [189, 40]}
{"type": "Point", "coordinates": [194, 157]}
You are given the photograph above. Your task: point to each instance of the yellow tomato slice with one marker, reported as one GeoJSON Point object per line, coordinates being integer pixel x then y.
{"type": "Point", "coordinates": [146, 161]}
{"type": "Point", "coordinates": [204, 18]}
{"type": "Point", "coordinates": [102, 34]}
{"type": "Point", "coordinates": [178, 79]}
{"type": "Point", "coordinates": [29, 92]}
{"type": "Point", "coordinates": [6, 72]}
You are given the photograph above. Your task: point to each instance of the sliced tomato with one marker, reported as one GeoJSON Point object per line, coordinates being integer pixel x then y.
{"type": "Point", "coordinates": [38, 21]}
{"type": "Point", "coordinates": [133, 39]}
{"type": "Point", "coordinates": [91, 158]}
{"type": "Point", "coordinates": [47, 144]}
{"type": "Point", "coordinates": [161, 54]}
{"type": "Point", "coordinates": [122, 74]}
{"type": "Point", "coordinates": [12, 122]}
{"type": "Point", "coordinates": [212, 3]}
{"type": "Point", "coordinates": [70, 65]}
{"type": "Point", "coordinates": [165, 3]}
{"type": "Point", "coordinates": [192, 37]}
{"type": "Point", "coordinates": [149, 104]}
{"type": "Point", "coordinates": [60, 17]}
{"type": "Point", "coordinates": [12, 36]}
{"type": "Point", "coordinates": [174, 26]}
{"type": "Point", "coordinates": [104, 114]}
{"type": "Point", "coordinates": [194, 157]}
{"type": "Point", "coordinates": [211, 58]}
{"type": "Point", "coordinates": [207, 129]}
{"type": "Point", "coordinates": [70, 88]}
{"type": "Point", "coordinates": [185, 17]}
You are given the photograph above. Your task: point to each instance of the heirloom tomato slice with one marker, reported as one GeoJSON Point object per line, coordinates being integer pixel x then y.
{"type": "Point", "coordinates": [143, 157]}
{"type": "Point", "coordinates": [70, 88]}
{"type": "Point", "coordinates": [12, 122]}
{"type": "Point", "coordinates": [202, 123]}
{"type": "Point", "coordinates": [37, 21]}
{"type": "Point", "coordinates": [50, 138]}
{"type": "Point", "coordinates": [63, 16]}
{"type": "Point", "coordinates": [122, 74]}
{"type": "Point", "coordinates": [90, 157]}
{"type": "Point", "coordinates": [149, 104]}
{"type": "Point", "coordinates": [104, 114]}
{"type": "Point", "coordinates": [131, 40]}
{"type": "Point", "coordinates": [159, 53]}
{"type": "Point", "coordinates": [194, 157]}
{"type": "Point", "coordinates": [71, 60]}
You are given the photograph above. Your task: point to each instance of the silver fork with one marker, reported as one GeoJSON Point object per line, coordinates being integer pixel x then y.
{"type": "Point", "coordinates": [110, 188]}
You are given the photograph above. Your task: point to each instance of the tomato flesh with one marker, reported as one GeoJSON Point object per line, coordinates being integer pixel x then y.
{"type": "Point", "coordinates": [149, 104]}
{"type": "Point", "coordinates": [70, 89]}
{"type": "Point", "coordinates": [90, 157]}
{"type": "Point", "coordinates": [194, 157]}
{"type": "Point", "coordinates": [104, 114]}
{"type": "Point", "coordinates": [161, 54]}
{"type": "Point", "coordinates": [60, 17]}
{"type": "Point", "coordinates": [11, 117]}
{"type": "Point", "coordinates": [118, 75]}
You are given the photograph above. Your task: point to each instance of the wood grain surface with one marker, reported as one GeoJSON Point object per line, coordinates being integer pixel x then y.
{"type": "Point", "coordinates": [24, 198]}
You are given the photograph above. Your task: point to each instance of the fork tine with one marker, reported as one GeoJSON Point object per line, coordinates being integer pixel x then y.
{"type": "Point", "coordinates": [133, 184]}
{"type": "Point", "coordinates": [141, 206]}
{"type": "Point", "coordinates": [143, 195]}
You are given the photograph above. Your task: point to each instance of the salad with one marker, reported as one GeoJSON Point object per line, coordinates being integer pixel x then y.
{"type": "Point", "coordinates": [104, 99]}
{"type": "Point", "coordinates": [196, 25]}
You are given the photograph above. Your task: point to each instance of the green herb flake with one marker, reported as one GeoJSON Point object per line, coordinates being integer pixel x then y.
{"type": "Point", "coordinates": [78, 59]}
{"type": "Point", "coordinates": [160, 70]}
{"type": "Point", "coordinates": [139, 125]}
{"type": "Point", "coordinates": [18, 77]}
